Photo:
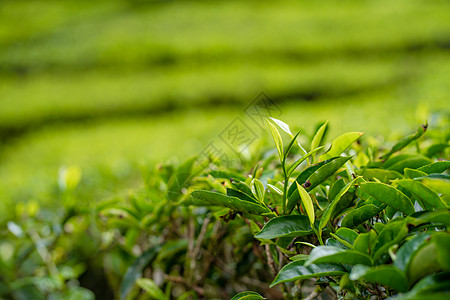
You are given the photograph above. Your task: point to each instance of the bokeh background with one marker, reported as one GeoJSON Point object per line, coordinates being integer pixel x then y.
{"type": "Point", "coordinates": [116, 86]}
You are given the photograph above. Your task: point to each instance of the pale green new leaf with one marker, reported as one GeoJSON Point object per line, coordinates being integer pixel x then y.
{"type": "Point", "coordinates": [341, 143]}
{"type": "Point", "coordinates": [277, 139]}
{"type": "Point", "coordinates": [307, 203]}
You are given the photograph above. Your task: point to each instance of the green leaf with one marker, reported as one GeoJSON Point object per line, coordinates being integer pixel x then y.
{"type": "Point", "coordinates": [412, 173]}
{"type": "Point", "coordinates": [307, 203]}
{"type": "Point", "coordinates": [135, 270]}
{"type": "Point", "coordinates": [409, 249]}
{"type": "Point", "coordinates": [441, 216]}
{"type": "Point", "coordinates": [432, 256]}
{"type": "Point", "coordinates": [385, 275]}
{"type": "Point", "coordinates": [242, 186]}
{"type": "Point", "coordinates": [317, 139]}
{"type": "Point", "coordinates": [365, 242]}
{"type": "Point", "coordinates": [341, 143]}
{"type": "Point", "coordinates": [241, 195]}
{"type": "Point", "coordinates": [301, 179]}
{"type": "Point", "coordinates": [442, 186]}
{"type": "Point", "coordinates": [347, 234]}
{"type": "Point", "coordinates": [207, 198]}
{"type": "Point", "coordinates": [360, 214]}
{"type": "Point", "coordinates": [388, 195]}
{"type": "Point", "coordinates": [179, 179]}
{"type": "Point", "coordinates": [410, 163]}
{"type": "Point", "coordinates": [150, 287]}
{"type": "Point", "coordinates": [302, 159]}
{"type": "Point", "coordinates": [424, 194]}
{"type": "Point", "coordinates": [405, 142]}
{"type": "Point", "coordinates": [426, 286]}
{"type": "Point", "coordinates": [337, 186]}
{"type": "Point", "coordinates": [277, 139]}
{"type": "Point", "coordinates": [296, 270]}
{"type": "Point", "coordinates": [335, 255]}
{"type": "Point", "coordinates": [382, 175]}
{"type": "Point", "coordinates": [258, 189]}
{"type": "Point", "coordinates": [325, 171]}
{"type": "Point", "coordinates": [326, 216]}
{"type": "Point", "coordinates": [275, 189]}
{"type": "Point", "coordinates": [282, 125]}
{"type": "Point", "coordinates": [436, 167]}
{"type": "Point", "coordinates": [391, 234]}
{"type": "Point", "coordinates": [285, 226]}
{"type": "Point", "coordinates": [290, 145]}
{"type": "Point", "coordinates": [247, 296]}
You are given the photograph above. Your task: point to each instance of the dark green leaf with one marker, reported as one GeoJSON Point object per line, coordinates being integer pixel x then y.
{"type": "Point", "coordinates": [325, 171]}
{"type": "Point", "coordinates": [296, 270]}
{"type": "Point", "coordinates": [365, 242]}
{"type": "Point", "coordinates": [385, 275]}
{"type": "Point", "coordinates": [336, 188]}
{"type": "Point", "coordinates": [409, 249]}
{"type": "Point", "coordinates": [432, 256]}
{"type": "Point", "coordinates": [436, 167]}
{"type": "Point", "coordinates": [335, 255]}
{"type": "Point", "coordinates": [436, 149]}
{"type": "Point", "coordinates": [347, 234]}
{"type": "Point", "coordinates": [441, 216]}
{"type": "Point", "coordinates": [391, 234]}
{"type": "Point", "coordinates": [426, 287]}
{"type": "Point", "coordinates": [326, 216]}
{"type": "Point", "coordinates": [424, 194]}
{"type": "Point", "coordinates": [358, 215]}
{"type": "Point", "coordinates": [301, 179]}
{"type": "Point", "coordinates": [412, 163]}
{"type": "Point", "coordinates": [285, 226]}
{"type": "Point", "coordinates": [388, 195]}
{"type": "Point", "coordinates": [206, 198]}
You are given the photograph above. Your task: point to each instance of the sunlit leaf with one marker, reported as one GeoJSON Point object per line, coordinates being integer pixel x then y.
{"type": "Point", "coordinates": [341, 143]}
{"type": "Point", "coordinates": [307, 203]}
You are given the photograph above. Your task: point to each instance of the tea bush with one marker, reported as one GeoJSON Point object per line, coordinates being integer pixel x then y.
{"type": "Point", "coordinates": [373, 223]}
{"type": "Point", "coordinates": [356, 219]}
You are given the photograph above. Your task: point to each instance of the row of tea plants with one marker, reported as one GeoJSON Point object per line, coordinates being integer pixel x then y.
{"type": "Point", "coordinates": [351, 220]}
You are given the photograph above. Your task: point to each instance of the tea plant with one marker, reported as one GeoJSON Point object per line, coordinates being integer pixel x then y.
{"type": "Point", "coordinates": [350, 220]}
{"type": "Point", "coordinates": [359, 219]}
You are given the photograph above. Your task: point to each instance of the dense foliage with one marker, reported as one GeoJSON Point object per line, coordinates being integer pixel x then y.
{"type": "Point", "coordinates": [352, 220]}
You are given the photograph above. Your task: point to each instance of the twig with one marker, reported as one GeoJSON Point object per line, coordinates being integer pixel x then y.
{"type": "Point", "coordinates": [182, 281]}
{"type": "Point", "coordinates": [314, 294]}
{"type": "Point", "coordinates": [270, 260]}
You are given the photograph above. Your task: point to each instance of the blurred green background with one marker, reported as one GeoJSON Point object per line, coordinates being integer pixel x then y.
{"type": "Point", "coordinates": [116, 86]}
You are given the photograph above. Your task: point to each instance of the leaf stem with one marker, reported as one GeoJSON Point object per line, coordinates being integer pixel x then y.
{"type": "Point", "coordinates": [319, 236]}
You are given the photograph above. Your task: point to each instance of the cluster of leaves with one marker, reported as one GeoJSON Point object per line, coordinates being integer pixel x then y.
{"type": "Point", "coordinates": [285, 223]}
{"type": "Point", "coordinates": [384, 218]}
